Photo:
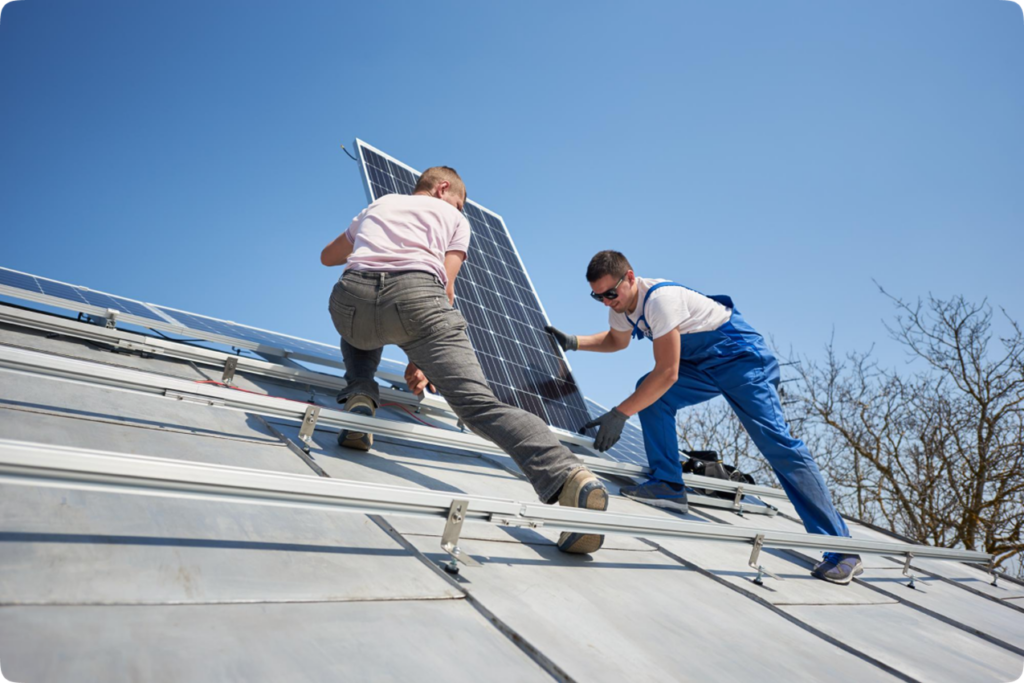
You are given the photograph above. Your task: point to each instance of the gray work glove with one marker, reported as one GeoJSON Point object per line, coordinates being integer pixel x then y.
{"type": "Point", "coordinates": [568, 342]}
{"type": "Point", "coordinates": [609, 429]}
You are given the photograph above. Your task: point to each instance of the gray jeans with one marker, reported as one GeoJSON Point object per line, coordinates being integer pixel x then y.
{"type": "Point", "coordinates": [411, 309]}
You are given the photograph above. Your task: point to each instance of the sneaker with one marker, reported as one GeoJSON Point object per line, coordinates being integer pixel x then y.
{"type": "Point", "coordinates": [582, 490]}
{"type": "Point", "coordinates": [358, 405]}
{"type": "Point", "coordinates": [838, 568]}
{"type": "Point", "coordinates": [660, 494]}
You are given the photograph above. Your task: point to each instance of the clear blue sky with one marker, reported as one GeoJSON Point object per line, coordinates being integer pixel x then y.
{"type": "Point", "coordinates": [785, 153]}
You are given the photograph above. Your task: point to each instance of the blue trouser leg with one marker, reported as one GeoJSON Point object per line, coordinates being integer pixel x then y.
{"type": "Point", "coordinates": [749, 383]}
{"type": "Point", "coordinates": [659, 421]}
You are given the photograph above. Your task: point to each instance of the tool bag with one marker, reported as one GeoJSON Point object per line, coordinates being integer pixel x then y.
{"type": "Point", "coordinates": [708, 464]}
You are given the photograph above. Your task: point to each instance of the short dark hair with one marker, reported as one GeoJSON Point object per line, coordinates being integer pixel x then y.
{"type": "Point", "coordinates": [607, 262]}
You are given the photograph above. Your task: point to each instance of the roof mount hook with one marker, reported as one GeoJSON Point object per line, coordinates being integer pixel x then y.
{"type": "Point", "coordinates": [761, 571]}
{"type": "Point", "coordinates": [906, 571]}
{"type": "Point", "coordinates": [450, 538]}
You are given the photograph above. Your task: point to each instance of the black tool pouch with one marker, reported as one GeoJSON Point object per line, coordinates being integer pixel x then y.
{"type": "Point", "coordinates": [708, 464]}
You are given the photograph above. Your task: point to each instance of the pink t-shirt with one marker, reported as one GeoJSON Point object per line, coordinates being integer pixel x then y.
{"type": "Point", "coordinates": [407, 232]}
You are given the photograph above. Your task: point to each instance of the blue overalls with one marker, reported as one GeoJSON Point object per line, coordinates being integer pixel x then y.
{"type": "Point", "coordinates": [735, 362]}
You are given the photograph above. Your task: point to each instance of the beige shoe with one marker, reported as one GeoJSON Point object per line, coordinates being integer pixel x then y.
{"type": "Point", "coordinates": [582, 490]}
{"type": "Point", "coordinates": [359, 405]}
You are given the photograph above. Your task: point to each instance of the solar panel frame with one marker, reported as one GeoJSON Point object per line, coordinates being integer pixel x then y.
{"type": "Point", "coordinates": [505, 298]}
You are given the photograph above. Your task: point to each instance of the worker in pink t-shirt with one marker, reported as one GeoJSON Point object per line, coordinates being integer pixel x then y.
{"type": "Point", "coordinates": [403, 253]}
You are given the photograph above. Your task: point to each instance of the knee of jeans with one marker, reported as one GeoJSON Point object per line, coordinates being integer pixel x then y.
{"type": "Point", "coordinates": [641, 380]}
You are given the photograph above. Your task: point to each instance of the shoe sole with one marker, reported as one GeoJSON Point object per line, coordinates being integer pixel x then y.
{"type": "Point", "coordinates": [360, 441]}
{"type": "Point", "coordinates": [658, 503]}
{"type": "Point", "coordinates": [841, 582]}
{"type": "Point", "coordinates": [595, 497]}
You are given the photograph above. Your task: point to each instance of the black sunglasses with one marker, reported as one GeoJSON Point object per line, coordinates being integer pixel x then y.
{"type": "Point", "coordinates": [611, 294]}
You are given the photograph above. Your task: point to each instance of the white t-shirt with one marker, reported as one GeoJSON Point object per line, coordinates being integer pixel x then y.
{"type": "Point", "coordinates": [407, 232]}
{"type": "Point", "coordinates": [671, 307]}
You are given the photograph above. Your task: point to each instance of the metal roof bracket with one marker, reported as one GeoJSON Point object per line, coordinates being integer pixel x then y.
{"type": "Point", "coordinates": [906, 571]}
{"type": "Point", "coordinates": [230, 366]}
{"type": "Point", "coordinates": [309, 419]}
{"type": "Point", "coordinates": [450, 538]}
{"type": "Point", "coordinates": [992, 571]}
{"type": "Point", "coordinates": [761, 571]}
{"type": "Point", "coordinates": [737, 501]}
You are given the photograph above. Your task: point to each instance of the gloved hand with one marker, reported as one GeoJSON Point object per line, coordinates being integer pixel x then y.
{"type": "Point", "coordinates": [609, 429]}
{"type": "Point", "coordinates": [568, 342]}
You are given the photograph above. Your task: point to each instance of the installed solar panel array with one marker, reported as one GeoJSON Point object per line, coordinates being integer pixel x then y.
{"type": "Point", "coordinates": [85, 300]}
{"type": "Point", "coordinates": [522, 363]}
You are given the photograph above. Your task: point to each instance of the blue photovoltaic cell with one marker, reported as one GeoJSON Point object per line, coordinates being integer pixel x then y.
{"type": "Point", "coordinates": [523, 365]}
{"type": "Point", "coordinates": [12, 278]}
{"type": "Point", "coordinates": [630, 447]}
{"type": "Point", "coordinates": [61, 290]}
{"type": "Point", "coordinates": [73, 294]}
{"type": "Point", "coordinates": [134, 308]}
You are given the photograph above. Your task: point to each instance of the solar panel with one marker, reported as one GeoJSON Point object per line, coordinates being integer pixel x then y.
{"type": "Point", "coordinates": [630, 447]}
{"type": "Point", "coordinates": [85, 300]}
{"type": "Point", "coordinates": [523, 365]}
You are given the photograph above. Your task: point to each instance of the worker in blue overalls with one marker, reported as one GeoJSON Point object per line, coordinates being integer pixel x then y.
{"type": "Point", "coordinates": [702, 348]}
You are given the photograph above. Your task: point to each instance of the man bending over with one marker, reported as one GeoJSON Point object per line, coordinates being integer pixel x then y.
{"type": "Point", "coordinates": [702, 348]}
{"type": "Point", "coordinates": [402, 255]}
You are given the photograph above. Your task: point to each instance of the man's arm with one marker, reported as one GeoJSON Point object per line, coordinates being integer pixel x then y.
{"type": "Point", "coordinates": [661, 379]}
{"type": "Point", "coordinates": [602, 342]}
{"type": "Point", "coordinates": [337, 252]}
{"type": "Point", "coordinates": [452, 263]}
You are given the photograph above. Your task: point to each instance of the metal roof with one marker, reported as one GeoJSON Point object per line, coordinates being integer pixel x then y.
{"type": "Point", "coordinates": [108, 578]}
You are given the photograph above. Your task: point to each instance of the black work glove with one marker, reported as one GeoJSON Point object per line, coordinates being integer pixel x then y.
{"type": "Point", "coordinates": [609, 429]}
{"type": "Point", "coordinates": [568, 342]}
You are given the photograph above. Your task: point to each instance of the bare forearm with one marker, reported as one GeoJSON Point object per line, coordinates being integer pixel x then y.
{"type": "Point", "coordinates": [650, 390]}
{"type": "Point", "coordinates": [602, 342]}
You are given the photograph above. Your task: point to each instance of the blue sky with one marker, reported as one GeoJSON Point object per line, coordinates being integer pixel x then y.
{"type": "Point", "coordinates": [785, 153]}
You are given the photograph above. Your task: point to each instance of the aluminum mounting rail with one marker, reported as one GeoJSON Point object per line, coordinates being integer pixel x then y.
{"type": "Point", "coordinates": [126, 379]}
{"type": "Point", "coordinates": [144, 344]}
{"type": "Point", "coordinates": [68, 368]}
{"type": "Point", "coordinates": [31, 464]}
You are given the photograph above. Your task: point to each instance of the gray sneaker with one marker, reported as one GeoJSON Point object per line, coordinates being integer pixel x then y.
{"type": "Point", "coordinates": [837, 568]}
{"type": "Point", "coordinates": [358, 405]}
{"type": "Point", "coordinates": [660, 494]}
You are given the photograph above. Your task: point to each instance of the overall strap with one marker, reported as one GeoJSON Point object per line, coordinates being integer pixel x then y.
{"type": "Point", "coordinates": [637, 334]}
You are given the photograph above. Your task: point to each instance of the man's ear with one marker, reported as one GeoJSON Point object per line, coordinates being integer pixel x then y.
{"type": "Point", "coordinates": [630, 277]}
{"type": "Point", "coordinates": [441, 188]}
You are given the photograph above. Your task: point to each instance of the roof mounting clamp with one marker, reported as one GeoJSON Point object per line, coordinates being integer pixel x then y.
{"type": "Point", "coordinates": [230, 366]}
{"type": "Point", "coordinates": [992, 571]}
{"type": "Point", "coordinates": [737, 501]}
{"type": "Point", "coordinates": [309, 420]}
{"type": "Point", "coordinates": [450, 537]}
{"type": "Point", "coordinates": [761, 571]}
{"type": "Point", "coordinates": [194, 398]}
{"type": "Point", "coordinates": [111, 316]}
{"type": "Point", "coordinates": [141, 349]}
{"type": "Point", "coordinates": [906, 571]}
{"type": "Point", "coordinates": [516, 522]}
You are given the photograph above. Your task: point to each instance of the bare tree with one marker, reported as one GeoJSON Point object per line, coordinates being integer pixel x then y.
{"type": "Point", "coordinates": [933, 451]}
